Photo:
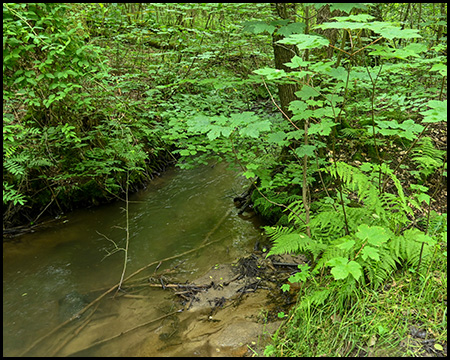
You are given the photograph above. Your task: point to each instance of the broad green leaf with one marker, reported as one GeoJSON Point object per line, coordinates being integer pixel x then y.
{"type": "Point", "coordinates": [337, 261]}
{"type": "Point", "coordinates": [296, 134]}
{"type": "Point", "coordinates": [340, 272]}
{"type": "Point", "coordinates": [280, 22]}
{"type": "Point", "coordinates": [253, 129]}
{"type": "Point", "coordinates": [302, 115]}
{"type": "Point", "coordinates": [307, 92]}
{"type": "Point", "coordinates": [270, 73]}
{"type": "Point", "coordinates": [395, 32]}
{"type": "Point", "coordinates": [214, 133]}
{"type": "Point", "coordinates": [304, 41]}
{"type": "Point", "coordinates": [249, 174]}
{"type": "Point", "coordinates": [388, 124]}
{"type": "Point", "coordinates": [346, 7]}
{"type": "Point", "coordinates": [307, 150]}
{"type": "Point", "coordinates": [441, 68]}
{"type": "Point", "coordinates": [322, 128]}
{"type": "Point", "coordinates": [341, 25]}
{"type": "Point", "coordinates": [375, 235]}
{"type": "Point", "coordinates": [277, 138]}
{"type": "Point", "coordinates": [185, 152]}
{"type": "Point", "coordinates": [413, 50]}
{"type": "Point", "coordinates": [347, 245]}
{"type": "Point", "coordinates": [423, 238]}
{"type": "Point", "coordinates": [200, 124]}
{"type": "Point", "coordinates": [226, 131]}
{"type": "Point", "coordinates": [257, 27]}
{"type": "Point", "coordinates": [355, 269]}
{"type": "Point", "coordinates": [366, 167]}
{"type": "Point", "coordinates": [297, 106]}
{"type": "Point", "coordinates": [437, 113]}
{"type": "Point", "coordinates": [293, 28]}
{"type": "Point", "coordinates": [410, 129]}
{"type": "Point", "coordinates": [300, 276]}
{"type": "Point", "coordinates": [238, 119]}
{"type": "Point", "coordinates": [384, 132]}
{"type": "Point", "coordinates": [321, 112]}
{"type": "Point", "coordinates": [360, 17]}
{"type": "Point", "coordinates": [370, 252]}
{"type": "Point", "coordinates": [338, 73]}
{"type": "Point", "coordinates": [297, 62]}
{"type": "Point", "coordinates": [316, 103]}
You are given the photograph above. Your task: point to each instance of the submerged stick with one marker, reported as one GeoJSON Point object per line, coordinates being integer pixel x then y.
{"type": "Point", "coordinates": [75, 333]}
{"type": "Point", "coordinates": [125, 332]}
{"type": "Point", "coordinates": [217, 225]}
{"type": "Point", "coordinates": [82, 311]}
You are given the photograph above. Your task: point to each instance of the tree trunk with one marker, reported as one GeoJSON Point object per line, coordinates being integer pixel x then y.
{"type": "Point", "coordinates": [284, 53]}
{"type": "Point", "coordinates": [324, 15]}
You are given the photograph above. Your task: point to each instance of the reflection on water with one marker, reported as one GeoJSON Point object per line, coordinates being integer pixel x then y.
{"type": "Point", "coordinates": [47, 275]}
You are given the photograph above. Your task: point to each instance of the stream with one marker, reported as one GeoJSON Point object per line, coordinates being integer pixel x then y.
{"type": "Point", "coordinates": [53, 273]}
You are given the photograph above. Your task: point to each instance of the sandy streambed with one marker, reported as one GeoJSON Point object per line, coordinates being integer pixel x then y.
{"type": "Point", "coordinates": [230, 318]}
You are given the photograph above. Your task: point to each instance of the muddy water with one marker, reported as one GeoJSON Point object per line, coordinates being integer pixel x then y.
{"type": "Point", "coordinates": [50, 275]}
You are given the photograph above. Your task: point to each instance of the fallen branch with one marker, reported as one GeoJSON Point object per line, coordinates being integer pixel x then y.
{"type": "Point", "coordinates": [284, 264]}
{"type": "Point", "coordinates": [217, 225]}
{"type": "Point", "coordinates": [178, 286]}
{"type": "Point", "coordinates": [128, 296]}
{"type": "Point", "coordinates": [75, 333]}
{"type": "Point", "coordinates": [125, 332]}
{"type": "Point", "coordinates": [82, 311]}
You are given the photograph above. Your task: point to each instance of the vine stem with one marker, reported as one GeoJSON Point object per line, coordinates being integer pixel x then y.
{"type": "Point", "coordinates": [372, 102]}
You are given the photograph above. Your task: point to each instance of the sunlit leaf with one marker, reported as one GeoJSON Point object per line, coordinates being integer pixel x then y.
{"type": "Point", "coordinates": [304, 41]}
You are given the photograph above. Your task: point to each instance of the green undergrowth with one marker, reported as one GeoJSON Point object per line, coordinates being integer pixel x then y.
{"type": "Point", "coordinates": [383, 322]}
{"type": "Point", "coordinates": [374, 280]}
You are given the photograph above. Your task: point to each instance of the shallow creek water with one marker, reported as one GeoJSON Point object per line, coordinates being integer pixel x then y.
{"type": "Point", "coordinates": [51, 274]}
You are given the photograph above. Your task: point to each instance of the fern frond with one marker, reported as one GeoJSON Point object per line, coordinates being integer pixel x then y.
{"type": "Point", "coordinates": [295, 209]}
{"type": "Point", "coordinates": [329, 253]}
{"type": "Point", "coordinates": [379, 271]}
{"type": "Point", "coordinates": [317, 298]}
{"type": "Point", "coordinates": [327, 225]}
{"type": "Point", "coordinates": [401, 195]}
{"type": "Point", "coordinates": [407, 250]}
{"type": "Point", "coordinates": [352, 133]}
{"type": "Point", "coordinates": [426, 148]}
{"type": "Point", "coordinates": [275, 232]}
{"type": "Point", "coordinates": [427, 157]}
{"type": "Point", "coordinates": [289, 243]}
{"type": "Point", "coordinates": [355, 180]}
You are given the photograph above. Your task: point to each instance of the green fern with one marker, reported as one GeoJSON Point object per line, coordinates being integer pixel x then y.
{"type": "Point", "coordinates": [374, 242]}
{"type": "Point", "coordinates": [295, 243]}
{"type": "Point", "coordinates": [355, 180]}
{"type": "Point", "coordinates": [379, 271]}
{"type": "Point", "coordinates": [353, 133]}
{"type": "Point", "coordinates": [427, 157]}
{"type": "Point", "coordinates": [288, 243]}
{"type": "Point", "coordinates": [331, 251]}
{"type": "Point", "coordinates": [276, 231]}
{"type": "Point", "coordinates": [316, 298]}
